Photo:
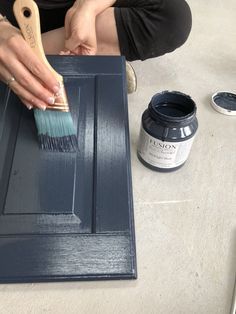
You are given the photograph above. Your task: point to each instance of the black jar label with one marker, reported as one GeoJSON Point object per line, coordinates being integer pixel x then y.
{"type": "Point", "coordinates": [163, 154]}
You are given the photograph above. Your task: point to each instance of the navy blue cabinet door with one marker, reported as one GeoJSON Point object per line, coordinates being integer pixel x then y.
{"type": "Point", "coordinates": [69, 216]}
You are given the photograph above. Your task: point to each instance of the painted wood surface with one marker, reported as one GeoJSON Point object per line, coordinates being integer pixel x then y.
{"type": "Point", "coordinates": [69, 216]}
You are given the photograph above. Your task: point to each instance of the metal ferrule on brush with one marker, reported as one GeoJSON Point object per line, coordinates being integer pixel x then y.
{"type": "Point", "coordinates": [61, 102]}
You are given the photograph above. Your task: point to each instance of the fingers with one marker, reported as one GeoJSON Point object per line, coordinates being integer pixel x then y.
{"type": "Point", "coordinates": [29, 106]}
{"type": "Point", "coordinates": [79, 46]}
{"type": "Point", "coordinates": [29, 83]}
{"type": "Point", "coordinates": [73, 42]}
{"type": "Point", "coordinates": [34, 83]}
{"type": "Point", "coordinates": [27, 98]}
{"type": "Point", "coordinates": [35, 66]}
{"type": "Point", "coordinates": [66, 53]}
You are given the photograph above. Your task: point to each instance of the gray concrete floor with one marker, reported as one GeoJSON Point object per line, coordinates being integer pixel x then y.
{"type": "Point", "coordinates": [185, 221]}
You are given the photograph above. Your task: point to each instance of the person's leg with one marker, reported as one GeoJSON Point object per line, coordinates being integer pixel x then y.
{"type": "Point", "coordinates": [107, 39]}
{"type": "Point", "coordinates": [53, 41]}
{"type": "Point", "coordinates": [151, 28]}
{"type": "Point", "coordinates": [107, 36]}
{"type": "Point", "coordinates": [138, 30]}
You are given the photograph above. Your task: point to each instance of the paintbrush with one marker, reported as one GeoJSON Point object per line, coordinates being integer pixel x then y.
{"type": "Point", "coordinates": [56, 131]}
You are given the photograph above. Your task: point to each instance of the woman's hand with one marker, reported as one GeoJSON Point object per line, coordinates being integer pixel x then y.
{"type": "Point", "coordinates": [34, 83]}
{"type": "Point", "coordinates": [80, 26]}
{"type": "Point", "coordinates": [80, 29]}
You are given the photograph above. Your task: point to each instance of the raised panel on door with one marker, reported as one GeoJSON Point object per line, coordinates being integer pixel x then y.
{"type": "Point", "coordinates": [44, 191]}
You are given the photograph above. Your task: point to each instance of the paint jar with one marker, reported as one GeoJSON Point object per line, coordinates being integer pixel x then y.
{"type": "Point", "coordinates": [167, 131]}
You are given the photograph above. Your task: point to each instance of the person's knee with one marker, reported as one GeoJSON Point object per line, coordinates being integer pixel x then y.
{"type": "Point", "coordinates": [180, 18]}
{"type": "Point", "coordinates": [172, 29]}
{"type": "Point", "coordinates": [159, 27]}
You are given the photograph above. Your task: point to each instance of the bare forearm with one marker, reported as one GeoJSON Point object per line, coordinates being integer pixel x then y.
{"type": "Point", "coordinates": [95, 6]}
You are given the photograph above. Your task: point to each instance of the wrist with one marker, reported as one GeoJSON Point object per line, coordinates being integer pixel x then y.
{"type": "Point", "coordinates": [94, 7]}
{"type": "Point", "coordinates": [89, 7]}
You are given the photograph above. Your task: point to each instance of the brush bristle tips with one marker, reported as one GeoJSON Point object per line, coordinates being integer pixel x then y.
{"type": "Point", "coordinates": [56, 131]}
{"type": "Point", "coordinates": [66, 144]}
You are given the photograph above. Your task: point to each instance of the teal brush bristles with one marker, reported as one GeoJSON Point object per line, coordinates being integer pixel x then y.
{"type": "Point", "coordinates": [56, 131]}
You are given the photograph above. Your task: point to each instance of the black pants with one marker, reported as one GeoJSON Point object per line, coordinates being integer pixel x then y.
{"type": "Point", "coordinates": [146, 28]}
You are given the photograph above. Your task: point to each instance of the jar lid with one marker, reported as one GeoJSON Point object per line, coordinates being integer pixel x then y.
{"type": "Point", "coordinates": [224, 102]}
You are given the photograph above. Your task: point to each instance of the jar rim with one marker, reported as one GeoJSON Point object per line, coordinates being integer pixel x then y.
{"type": "Point", "coordinates": [172, 106]}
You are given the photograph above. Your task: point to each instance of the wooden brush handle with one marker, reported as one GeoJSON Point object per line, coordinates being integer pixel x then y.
{"type": "Point", "coordinates": [27, 15]}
